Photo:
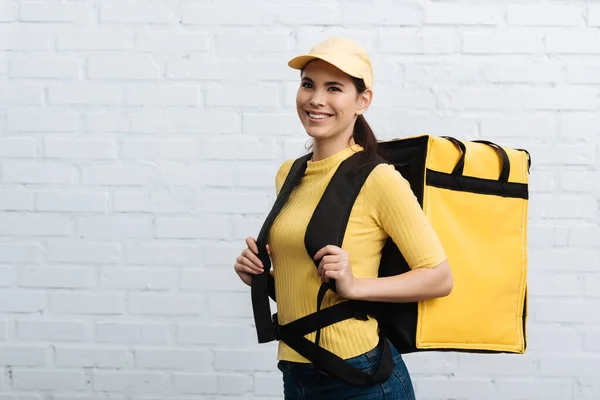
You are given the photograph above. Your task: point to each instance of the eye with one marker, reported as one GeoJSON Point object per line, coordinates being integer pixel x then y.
{"type": "Point", "coordinates": [306, 85]}
{"type": "Point", "coordinates": [335, 88]}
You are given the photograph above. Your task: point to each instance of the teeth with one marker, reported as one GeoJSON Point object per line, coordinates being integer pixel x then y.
{"type": "Point", "coordinates": [318, 116]}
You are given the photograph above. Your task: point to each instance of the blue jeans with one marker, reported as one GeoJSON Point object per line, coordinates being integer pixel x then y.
{"type": "Point", "coordinates": [300, 381]}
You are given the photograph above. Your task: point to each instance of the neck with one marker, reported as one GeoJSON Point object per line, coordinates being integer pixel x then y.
{"type": "Point", "coordinates": [323, 148]}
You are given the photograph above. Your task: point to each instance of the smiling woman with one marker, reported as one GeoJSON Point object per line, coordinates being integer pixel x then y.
{"type": "Point", "coordinates": [334, 92]}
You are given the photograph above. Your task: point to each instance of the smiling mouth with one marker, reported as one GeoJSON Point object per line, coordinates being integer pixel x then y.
{"type": "Point", "coordinates": [318, 116]}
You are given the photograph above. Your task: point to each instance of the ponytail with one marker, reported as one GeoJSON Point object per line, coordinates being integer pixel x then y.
{"type": "Point", "coordinates": [362, 133]}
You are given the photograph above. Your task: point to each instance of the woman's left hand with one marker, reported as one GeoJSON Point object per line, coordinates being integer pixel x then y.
{"type": "Point", "coordinates": [335, 264]}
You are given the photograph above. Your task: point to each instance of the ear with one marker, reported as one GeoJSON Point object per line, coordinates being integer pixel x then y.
{"type": "Point", "coordinates": [363, 101]}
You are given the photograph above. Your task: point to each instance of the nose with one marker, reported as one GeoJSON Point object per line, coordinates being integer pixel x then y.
{"type": "Point", "coordinates": [317, 99]}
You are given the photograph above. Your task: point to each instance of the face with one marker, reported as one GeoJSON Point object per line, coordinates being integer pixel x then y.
{"type": "Point", "coordinates": [328, 102]}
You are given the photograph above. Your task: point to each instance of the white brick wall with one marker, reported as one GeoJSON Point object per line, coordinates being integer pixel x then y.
{"type": "Point", "coordinates": [139, 141]}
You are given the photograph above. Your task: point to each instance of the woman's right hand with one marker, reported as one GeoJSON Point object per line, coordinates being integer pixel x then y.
{"type": "Point", "coordinates": [248, 263]}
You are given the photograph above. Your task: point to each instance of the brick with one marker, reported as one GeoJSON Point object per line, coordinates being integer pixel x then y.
{"type": "Point", "coordinates": [196, 383]}
{"type": "Point", "coordinates": [559, 99]}
{"type": "Point", "coordinates": [525, 389]}
{"type": "Point", "coordinates": [22, 95]}
{"type": "Point", "coordinates": [38, 172]}
{"type": "Point", "coordinates": [123, 68]}
{"type": "Point", "coordinates": [137, 278]}
{"type": "Point", "coordinates": [100, 357]}
{"type": "Point", "coordinates": [513, 41]}
{"type": "Point", "coordinates": [89, 149]}
{"type": "Point", "coordinates": [542, 126]}
{"type": "Point", "coordinates": [234, 202]}
{"type": "Point", "coordinates": [55, 330]}
{"type": "Point", "coordinates": [47, 380]}
{"type": "Point", "coordinates": [34, 225]}
{"type": "Point", "coordinates": [555, 259]}
{"type": "Point", "coordinates": [44, 67]}
{"type": "Point", "coordinates": [18, 148]}
{"type": "Point", "coordinates": [580, 236]}
{"type": "Point", "coordinates": [422, 74]}
{"type": "Point", "coordinates": [102, 122]}
{"type": "Point", "coordinates": [425, 41]}
{"type": "Point", "coordinates": [482, 99]}
{"type": "Point", "coordinates": [219, 14]}
{"type": "Point", "coordinates": [573, 42]}
{"type": "Point", "coordinates": [94, 39]}
{"type": "Point", "coordinates": [161, 149]}
{"type": "Point", "coordinates": [155, 304]}
{"type": "Point", "coordinates": [272, 41]}
{"type": "Point", "coordinates": [268, 385]}
{"type": "Point", "coordinates": [565, 154]}
{"type": "Point", "coordinates": [215, 335]}
{"type": "Point", "coordinates": [199, 122]}
{"type": "Point", "coordinates": [456, 14]}
{"type": "Point", "coordinates": [569, 366]}
{"type": "Point", "coordinates": [55, 277]}
{"type": "Point", "coordinates": [141, 333]}
{"type": "Point", "coordinates": [547, 15]}
{"type": "Point", "coordinates": [198, 360]}
{"type": "Point", "coordinates": [592, 286]}
{"type": "Point", "coordinates": [118, 174]}
{"type": "Point", "coordinates": [247, 226]}
{"type": "Point", "coordinates": [238, 148]}
{"type": "Point", "coordinates": [8, 11]}
{"type": "Point", "coordinates": [131, 201]}
{"type": "Point", "coordinates": [172, 95]}
{"type": "Point", "coordinates": [82, 252]}
{"type": "Point", "coordinates": [24, 38]}
{"type": "Point", "coordinates": [475, 365]}
{"type": "Point", "coordinates": [237, 304]}
{"type": "Point", "coordinates": [23, 356]}
{"type": "Point", "coordinates": [192, 228]}
{"type": "Point", "coordinates": [211, 279]}
{"type": "Point", "coordinates": [223, 255]}
{"type": "Point", "coordinates": [71, 201]}
{"type": "Point", "coordinates": [3, 326]}
{"type": "Point", "coordinates": [575, 127]}
{"type": "Point", "coordinates": [459, 388]}
{"type": "Point", "coordinates": [243, 95]}
{"type": "Point", "coordinates": [8, 276]}
{"type": "Point", "coordinates": [86, 303]}
{"type": "Point", "coordinates": [104, 227]}
{"type": "Point", "coordinates": [254, 175]}
{"type": "Point", "coordinates": [162, 254]}
{"type": "Point", "coordinates": [541, 337]}
{"type": "Point", "coordinates": [307, 36]}
{"type": "Point", "coordinates": [580, 182]}
{"type": "Point", "coordinates": [84, 95]}
{"type": "Point", "coordinates": [411, 99]}
{"type": "Point", "coordinates": [378, 14]}
{"type": "Point", "coordinates": [586, 389]}
{"type": "Point", "coordinates": [559, 311]}
{"type": "Point", "coordinates": [272, 124]}
{"type": "Point", "coordinates": [522, 72]}
{"type": "Point", "coordinates": [244, 360]}
{"type": "Point", "coordinates": [21, 302]}
{"type": "Point", "coordinates": [56, 12]}
{"type": "Point", "coordinates": [592, 340]}
{"type": "Point", "coordinates": [556, 285]}
{"type": "Point", "coordinates": [16, 253]}
{"type": "Point", "coordinates": [583, 73]}
{"type": "Point", "coordinates": [129, 382]}
{"type": "Point", "coordinates": [593, 16]}
{"type": "Point", "coordinates": [138, 12]}
{"type": "Point", "coordinates": [25, 120]}
{"type": "Point", "coordinates": [20, 397]}
{"type": "Point", "coordinates": [16, 200]}
{"type": "Point", "coordinates": [166, 42]}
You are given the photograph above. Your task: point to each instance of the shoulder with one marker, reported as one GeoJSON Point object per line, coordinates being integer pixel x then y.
{"type": "Point", "coordinates": [385, 174]}
{"type": "Point", "coordinates": [282, 173]}
{"type": "Point", "coordinates": [386, 184]}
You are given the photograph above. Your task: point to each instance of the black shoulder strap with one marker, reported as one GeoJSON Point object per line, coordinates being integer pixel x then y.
{"type": "Point", "coordinates": [263, 284]}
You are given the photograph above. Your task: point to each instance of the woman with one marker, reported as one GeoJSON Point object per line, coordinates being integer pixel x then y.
{"type": "Point", "coordinates": [335, 91]}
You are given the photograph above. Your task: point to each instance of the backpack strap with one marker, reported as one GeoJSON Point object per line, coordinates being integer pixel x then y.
{"type": "Point", "coordinates": [263, 285]}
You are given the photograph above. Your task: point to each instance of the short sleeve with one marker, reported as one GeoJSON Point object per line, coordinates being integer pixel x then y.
{"type": "Point", "coordinates": [282, 173]}
{"type": "Point", "coordinates": [397, 211]}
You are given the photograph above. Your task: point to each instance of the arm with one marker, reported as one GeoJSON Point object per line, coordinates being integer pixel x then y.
{"type": "Point", "coordinates": [397, 211]}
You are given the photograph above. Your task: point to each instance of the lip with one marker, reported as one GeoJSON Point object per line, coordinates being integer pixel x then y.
{"type": "Point", "coordinates": [317, 120]}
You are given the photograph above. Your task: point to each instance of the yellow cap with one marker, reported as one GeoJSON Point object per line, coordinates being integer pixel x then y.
{"type": "Point", "coordinates": [342, 53]}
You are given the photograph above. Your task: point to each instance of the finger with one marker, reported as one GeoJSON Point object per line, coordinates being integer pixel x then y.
{"type": "Point", "coordinates": [329, 249]}
{"type": "Point", "coordinates": [268, 250]}
{"type": "Point", "coordinates": [272, 272]}
{"type": "Point", "coordinates": [252, 257]}
{"type": "Point", "coordinates": [239, 267]}
{"type": "Point", "coordinates": [251, 243]}
{"type": "Point", "coordinates": [245, 261]}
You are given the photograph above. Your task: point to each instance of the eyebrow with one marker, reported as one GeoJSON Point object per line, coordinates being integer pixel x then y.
{"type": "Point", "coordinates": [329, 83]}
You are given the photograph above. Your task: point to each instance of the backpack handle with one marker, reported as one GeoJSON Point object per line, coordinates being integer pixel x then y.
{"type": "Point", "coordinates": [460, 165]}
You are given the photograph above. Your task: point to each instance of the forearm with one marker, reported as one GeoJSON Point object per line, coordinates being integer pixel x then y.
{"type": "Point", "coordinates": [415, 285]}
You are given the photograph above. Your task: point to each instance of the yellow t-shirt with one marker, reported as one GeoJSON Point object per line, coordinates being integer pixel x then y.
{"type": "Point", "coordinates": [386, 206]}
